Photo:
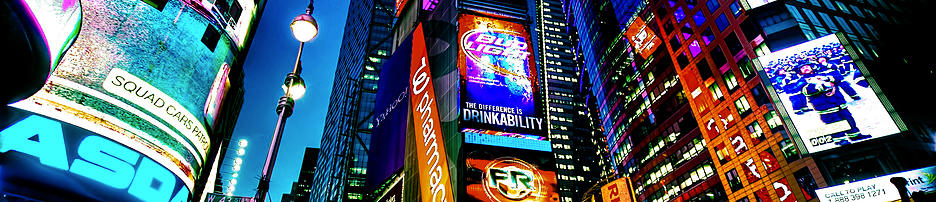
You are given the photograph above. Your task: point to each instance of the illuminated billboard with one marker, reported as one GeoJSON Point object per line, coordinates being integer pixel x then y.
{"type": "Point", "coordinates": [391, 117]}
{"type": "Point", "coordinates": [39, 155]}
{"type": "Point", "coordinates": [505, 174]}
{"type": "Point", "coordinates": [143, 77]}
{"type": "Point", "coordinates": [619, 190]}
{"type": "Point", "coordinates": [642, 38]}
{"type": "Point", "coordinates": [59, 21]}
{"type": "Point", "coordinates": [827, 95]}
{"type": "Point", "coordinates": [882, 188]}
{"type": "Point", "coordinates": [430, 148]}
{"type": "Point", "coordinates": [498, 76]}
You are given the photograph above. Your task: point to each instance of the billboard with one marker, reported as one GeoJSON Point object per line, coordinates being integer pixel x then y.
{"type": "Point", "coordinates": [882, 188]}
{"type": "Point", "coordinates": [498, 76]}
{"type": "Point", "coordinates": [642, 38]}
{"type": "Point", "coordinates": [387, 144]}
{"type": "Point", "coordinates": [505, 139]}
{"type": "Point", "coordinates": [435, 184]}
{"type": "Point", "coordinates": [40, 155]}
{"type": "Point", "coordinates": [619, 190]}
{"type": "Point", "coordinates": [144, 76]}
{"type": "Point", "coordinates": [827, 95]}
{"type": "Point", "coordinates": [505, 174]}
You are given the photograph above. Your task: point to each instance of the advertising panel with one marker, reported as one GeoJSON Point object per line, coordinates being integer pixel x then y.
{"type": "Point", "coordinates": [143, 75]}
{"type": "Point", "coordinates": [387, 144]}
{"type": "Point", "coordinates": [435, 184]}
{"type": "Point", "coordinates": [642, 38]}
{"type": "Point", "coordinates": [506, 174]}
{"type": "Point", "coordinates": [498, 76]}
{"type": "Point", "coordinates": [882, 188]}
{"type": "Point", "coordinates": [619, 190]}
{"type": "Point", "coordinates": [827, 94]}
{"type": "Point", "coordinates": [39, 155]}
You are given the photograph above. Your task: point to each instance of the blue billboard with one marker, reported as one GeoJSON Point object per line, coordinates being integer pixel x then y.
{"type": "Point", "coordinates": [387, 146]}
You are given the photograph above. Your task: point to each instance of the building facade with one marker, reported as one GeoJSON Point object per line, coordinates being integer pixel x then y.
{"type": "Point", "coordinates": [342, 164]}
{"type": "Point", "coordinates": [576, 140]}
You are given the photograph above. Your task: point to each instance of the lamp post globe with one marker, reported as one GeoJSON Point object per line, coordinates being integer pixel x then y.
{"type": "Point", "coordinates": [304, 27]}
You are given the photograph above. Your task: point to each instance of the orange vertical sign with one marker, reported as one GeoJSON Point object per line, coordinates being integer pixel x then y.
{"type": "Point", "coordinates": [618, 190]}
{"type": "Point", "coordinates": [430, 151]}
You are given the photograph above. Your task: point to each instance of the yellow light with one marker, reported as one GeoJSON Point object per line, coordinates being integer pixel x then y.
{"type": "Point", "coordinates": [242, 143]}
{"type": "Point", "coordinates": [240, 152]}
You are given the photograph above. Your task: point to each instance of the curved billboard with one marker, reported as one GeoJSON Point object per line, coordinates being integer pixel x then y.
{"type": "Point", "coordinates": [144, 74]}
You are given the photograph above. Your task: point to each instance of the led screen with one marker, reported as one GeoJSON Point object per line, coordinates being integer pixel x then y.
{"type": "Point", "coordinates": [506, 174]}
{"type": "Point", "coordinates": [642, 38]}
{"type": "Point", "coordinates": [499, 85]}
{"type": "Point", "coordinates": [44, 159]}
{"type": "Point", "coordinates": [504, 139]}
{"type": "Point", "coordinates": [144, 74]}
{"type": "Point", "coordinates": [827, 95]}
{"type": "Point", "coordinates": [881, 188]}
{"type": "Point", "coordinates": [390, 120]}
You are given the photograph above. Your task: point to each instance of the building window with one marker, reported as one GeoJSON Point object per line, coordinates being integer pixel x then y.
{"type": "Point", "coordinates": [744, 108]}
{"type": "Point", "coordinates": [679, 14]}
{"type": "Point", "coordinates": [757, 135]}
{"type": "Point", "coordinates": [718, 57]}
{"type": "Point", "coordinates": [760, 97]}
{"type": "Point", "coordinates": [730, 81]}
{"type": "Point", "coordinates": [704, 70]}
{"type": "Point", "coordinates": [773, 121]}
{"type": "Point", "coordinates": [712, 5]}
{"type": "Point", "coordinates": [722, 153]}
{"type": "Point", "coordinates": [695, 48]}
{"type": "Point", "coordinates": [699, 18]}
{"type": "Point", "coordinates": [708, 36]}
{"type": "Point", "coordinates": [733, 43]}
{"type": "Point", "coordinates": [735, 8]}
{"type": "Point", "coordinates": [788, 148]}
{"type": "Point", "coordinates": [747, 71]}
{"type": "Point", "coordinates": [734, 182]}
{"type": "Point", "coordinates": [716, 93]}
{"type": "Point", "coordinates": [722, 22]}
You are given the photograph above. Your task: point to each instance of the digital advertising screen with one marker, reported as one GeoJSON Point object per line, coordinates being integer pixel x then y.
{"type": "Point", "coordinates": [882, 188]}
{"type": "Point", "coordinates": [827, 94]}
{"type": "Point", "coordinates": [506, 174]}
{"type": "Point", "coordinates": [150, 75]}
{"type": "Point", "coordinates": [642, 38]}
{"type": "Point", "coordinates": [40, 155]}
{"type": "Point", "coordinates": [498, 76]}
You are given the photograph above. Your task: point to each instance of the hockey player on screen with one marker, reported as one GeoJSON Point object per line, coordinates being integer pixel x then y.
{"type": "Point", "coordinates": [826, 67]}
{"type": "Point", "coordinates": [822, 92]}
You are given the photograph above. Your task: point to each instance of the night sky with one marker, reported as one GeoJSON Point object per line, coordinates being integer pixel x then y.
{"type": "Point", "coordinates": [271, 56]}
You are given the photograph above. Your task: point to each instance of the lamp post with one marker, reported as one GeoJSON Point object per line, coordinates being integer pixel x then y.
{"type": "Point", "coordinates": [304, 28]}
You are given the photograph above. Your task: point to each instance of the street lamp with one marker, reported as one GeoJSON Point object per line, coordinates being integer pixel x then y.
{"type": "Point", "coordinates": [304, 28]}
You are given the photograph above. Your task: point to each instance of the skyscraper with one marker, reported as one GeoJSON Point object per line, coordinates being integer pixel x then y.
{"type": "Point", "coordinates": [302, 188]}
{"type": "Point", "coordinates": [342, 164]}
{"type": "Point", "coordinates": [576, 141]}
